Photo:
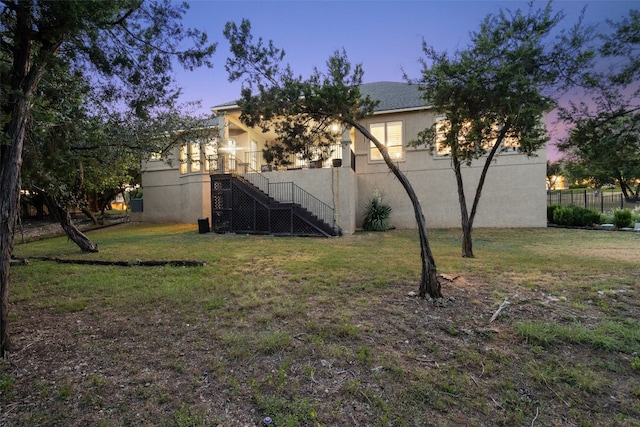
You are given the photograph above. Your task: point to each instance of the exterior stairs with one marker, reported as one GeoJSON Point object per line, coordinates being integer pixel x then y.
{"type": "Point", "coordinates": [239, 206]}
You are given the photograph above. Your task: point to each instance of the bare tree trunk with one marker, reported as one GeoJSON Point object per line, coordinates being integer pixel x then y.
{"type": "Point", "coordinates": [10, 162]}
{"type": "Point", "coordinates": [61, 214]}
{"type": "Point", "coordinates": [85, 210]}
{"type": "Point", "coordinates": [429, 284]}
{"type": "Point", "coordinates": [26, 72]}
{"type": "Point", "coordinates": [467, 218]}
{"type": "Point", "coordinates": [465, 221]}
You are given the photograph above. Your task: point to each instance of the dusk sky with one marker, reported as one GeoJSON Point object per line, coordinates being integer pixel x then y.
{"type": "Point", "coordinates": [384, 36]}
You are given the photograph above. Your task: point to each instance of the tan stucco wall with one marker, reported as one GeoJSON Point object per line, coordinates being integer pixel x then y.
{"type": "Point", "coordinates": [335, 187]}
{"type": "Point", "coordinates": [171, 197]}
{"type": "Point", "coordinates": [513, 194]}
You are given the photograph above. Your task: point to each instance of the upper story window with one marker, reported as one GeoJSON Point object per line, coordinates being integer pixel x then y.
{"type": "Point", "coordinates": [196, 156]}
{"type": "Point", "coordinates": [442, 127]}
{"type": "Point", "coordinates": [391, 135]}
{"type": "Point", "coordinates": [510, 143]}
{"type": "Point", "coordinates": [190, 158]}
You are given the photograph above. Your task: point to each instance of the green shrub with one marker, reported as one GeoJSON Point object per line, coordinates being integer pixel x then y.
{"type": "Point", "coordinates": [622, 218]}
{"type": "Point", "coordinates": [563, 216]}
{"type": "Point", "coordinates": [550, 210]}
{"type": "Point", "coordinates": [376, 214]}
{"type": "Point", "coordinates": [588, 217]}
{"type": "Point", "coordinates": [575, 216]}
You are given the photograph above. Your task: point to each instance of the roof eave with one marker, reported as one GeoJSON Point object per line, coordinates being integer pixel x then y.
{"type": "Point", "coordinates": [403, 110]}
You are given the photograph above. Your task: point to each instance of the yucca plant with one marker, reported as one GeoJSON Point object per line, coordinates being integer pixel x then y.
{"type": "Point", "coordinates": [376, 214]}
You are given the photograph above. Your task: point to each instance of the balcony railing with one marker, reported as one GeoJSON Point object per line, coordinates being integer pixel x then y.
{"type": "Point", "coordinates": [255, 161]}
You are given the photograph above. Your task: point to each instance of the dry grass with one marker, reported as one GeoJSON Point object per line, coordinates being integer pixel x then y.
{"type": "Point", "coordinates": [324, 332]}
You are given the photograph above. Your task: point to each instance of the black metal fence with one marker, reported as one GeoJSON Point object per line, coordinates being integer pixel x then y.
{"type": "Point", "coordinates": [601, 201]}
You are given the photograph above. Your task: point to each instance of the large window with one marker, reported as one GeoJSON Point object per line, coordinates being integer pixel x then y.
{"type": "Point", "coordinates": [390, 135]}
{"type": "Point", "coordinates": [192, 155]}
{"type": "Point", "coordinates": [211, 154]}
{"type": "Point", "coordinates": [184, 159]}
{"type": "Point", "coordinates": [442, 127]}
{"type": "Point", "coordinates": [511, 144]}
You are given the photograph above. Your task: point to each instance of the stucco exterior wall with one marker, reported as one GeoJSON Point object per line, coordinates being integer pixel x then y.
{"type": "Point", "coordinates": [171, 197]}
{"type": "Point", "coordinates": [513, 193]}
{"type": "Point", "coordinates": [336, 187]}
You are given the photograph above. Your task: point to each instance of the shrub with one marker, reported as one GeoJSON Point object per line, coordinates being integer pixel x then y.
{"type": "Point", "coordinates": [622, 218]}
{"type": "Point", "coordinates": [376, 214]}
{"type": "Point", "coordinates": [563, 216]}
{"type": "Point", "coordinates": [589, 217]}
{"type": "Point", "coordinates": [550, 210]}
{"type": "Point", "coordinates": [575, 216]}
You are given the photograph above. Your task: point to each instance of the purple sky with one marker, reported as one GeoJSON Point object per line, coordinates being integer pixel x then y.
{"type": "Point", "coordinates": [384, 36]}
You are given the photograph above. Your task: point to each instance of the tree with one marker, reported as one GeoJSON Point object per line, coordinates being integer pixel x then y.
{"type": "Point", "coordinates": [306, 112]}
{"type": "Point", "coordinates": [493, 95]}
{"type": "Point", "coordinates": [71, 153]}
{"type": "Point", "coordinates": [605, 138]}
{"type": "Point", "coordinates": [554, 170]}
{"type": "Point", "coordinates": [126, 48]}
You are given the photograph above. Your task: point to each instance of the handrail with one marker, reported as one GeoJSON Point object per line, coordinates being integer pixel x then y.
{"type": "Point", "coordinates": [289, 192]}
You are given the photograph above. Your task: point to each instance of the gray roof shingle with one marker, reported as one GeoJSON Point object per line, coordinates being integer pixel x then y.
{"type": "Point", "coordinates": [392, 96]}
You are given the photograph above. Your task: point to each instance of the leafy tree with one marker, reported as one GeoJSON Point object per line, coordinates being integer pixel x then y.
{"type": "Point", "coordinates": [494, 94]}
{"type": "Point", "coordinates": [576, 174]}
{"type": "Point", "coordinates": [554, 170]}
{"type": "Point", "coordinates": [306, 111]}
{"type": "Point", "coordinates": [124, 47]}
{"type": "Point", "coordinates": [605, 138]}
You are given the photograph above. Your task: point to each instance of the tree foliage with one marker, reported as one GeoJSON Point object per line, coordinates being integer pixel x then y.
{"type": "Point", "coordinates": [605, 137]}
{"type": "Point", "coordinates": [304, 112]}
{"type": "Point", "coordinates": [124, 49]}
{"type": "Point", "coordinates": [554, 170]}
{"type": "Point", "coordinates": [496, 92]}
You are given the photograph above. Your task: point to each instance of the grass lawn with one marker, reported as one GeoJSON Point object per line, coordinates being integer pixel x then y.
{"type": "Point", "coordinates": [325, 332]}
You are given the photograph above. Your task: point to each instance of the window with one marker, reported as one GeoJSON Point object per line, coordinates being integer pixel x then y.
{"type": "Point", "coordinates": [390, 135]}
{"type": "Point", "coordinates": [191, 157]}
{"type": "Point", "coordinates": [194, 158]}
{"type": "Point", "coordinates": [184, 158]}
{"type": "Point", "coordinates": [210, 154]}
{"type": "Point", "coordinates": [510, 143]}
{"type": "Point", "coordinates": [442, 126]}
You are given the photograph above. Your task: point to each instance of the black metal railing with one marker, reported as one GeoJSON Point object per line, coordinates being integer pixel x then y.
{"type": "Point", "coordinates": [238, 206]}
{"type": "Point", "coordinates": [283, 192]}
{"type": "Point", "coordinates": [602, 201]}
{"type": "Point", "coordinates": [256, 161]}
{"type": "Point", "coordinates": [289, 192]}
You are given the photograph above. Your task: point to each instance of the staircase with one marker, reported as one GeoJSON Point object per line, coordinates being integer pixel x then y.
{"type": "Point", "coordinates": [250, 204]}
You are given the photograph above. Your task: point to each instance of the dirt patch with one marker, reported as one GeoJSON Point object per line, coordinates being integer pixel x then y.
{"type": "Point", "coordinates": [385, 357]}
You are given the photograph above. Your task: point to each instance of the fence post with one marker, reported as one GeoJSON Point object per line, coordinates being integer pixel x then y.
{"type": "Point", "coordinates": [621, 202]}
{"type": "Point", "coordinates": [601, 203]}
{"type": "Point", "coordinates": [585, 199]}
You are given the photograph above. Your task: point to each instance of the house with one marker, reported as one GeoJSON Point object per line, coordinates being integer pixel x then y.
{"type": "Point", "coordinates": [513, 195]}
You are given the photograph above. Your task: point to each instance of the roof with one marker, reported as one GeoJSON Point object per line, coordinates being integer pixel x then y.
{"type": "Point", "coordinates": [393, 96]}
